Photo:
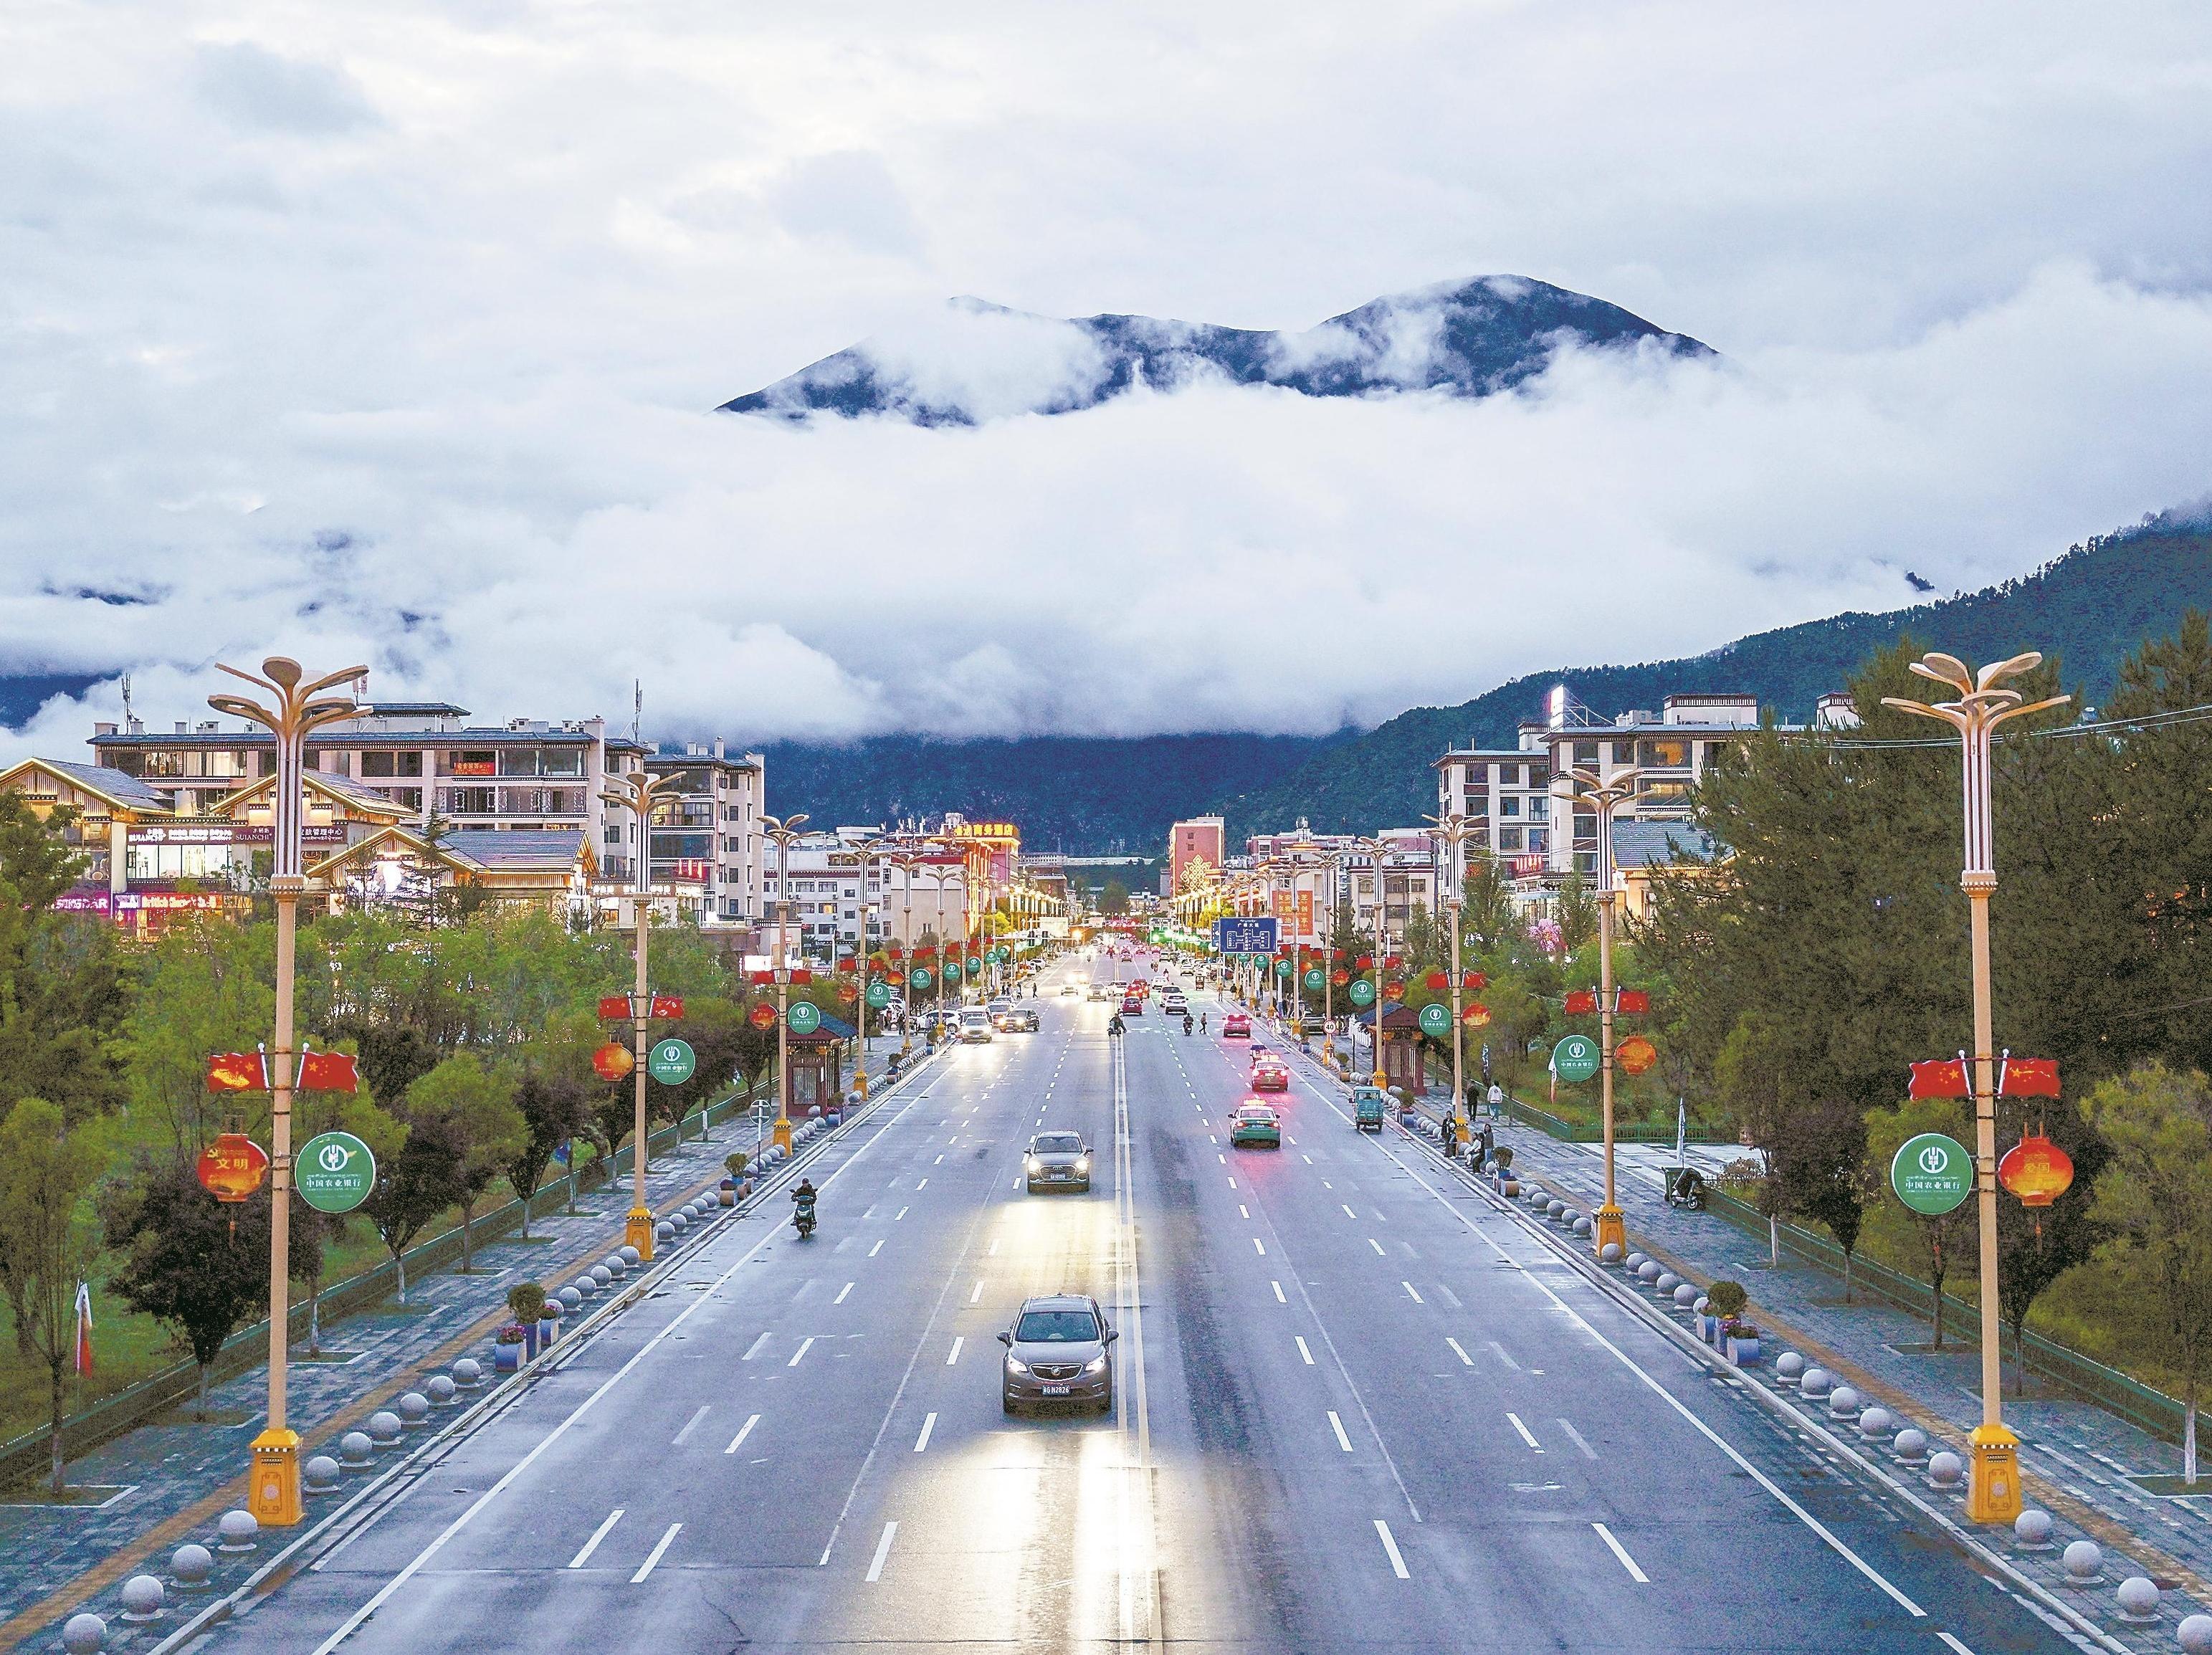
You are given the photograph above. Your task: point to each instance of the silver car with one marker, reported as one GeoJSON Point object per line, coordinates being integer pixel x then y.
{"type": "Point", "coordinates": [1057, 1353]}
{"type": "Point", "coordinates": [1058, 1161]}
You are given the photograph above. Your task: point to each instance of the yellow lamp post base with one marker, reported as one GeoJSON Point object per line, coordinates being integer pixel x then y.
{"type": "Point", "coordinates": [1608, 1225]}
{"type": "Point", "coordinates": [782, 1135]}
{"type": "Point", "coordinates": [638, 1232]}
{"type": "Point", "coordinates": [1379, 1080]}
{"type": "Point", "coordinates": [1993, 1476]}
{"type": "Point", "coordinates": [273, 1495]}
{"type": "Point", "coordinates": [860, 1083]}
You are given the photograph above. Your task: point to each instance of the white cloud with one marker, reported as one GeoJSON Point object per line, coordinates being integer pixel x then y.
{"type": "Point", "coordinates": [392, 337]}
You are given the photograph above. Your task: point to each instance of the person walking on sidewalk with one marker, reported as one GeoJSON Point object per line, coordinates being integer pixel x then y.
{"type": "Point", "coordinates": [1484, 1144]}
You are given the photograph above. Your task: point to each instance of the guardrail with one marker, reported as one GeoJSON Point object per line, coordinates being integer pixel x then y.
{"type": "Point", "coordinates": [2131, 1399]}
{"type": "Point", "coordinates": [30, 1453]}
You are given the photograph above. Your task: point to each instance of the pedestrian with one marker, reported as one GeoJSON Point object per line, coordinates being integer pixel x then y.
{"type": "Point", "coordinates": [1484, 1147]}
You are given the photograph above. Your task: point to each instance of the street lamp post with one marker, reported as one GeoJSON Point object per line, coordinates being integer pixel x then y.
{"type": "Point", "coordinates": [1993, 1491]}
{"type": "Point", "coordinates": [783, 831]}
{"type": "Point", "coordinates": [640, 793]}
{"type": "Point", "coordinates": [1373, 850]}
{"type": "Point", "coordinates": [273, 1494]}
{"type": "Point", "coordinates": [1603, 797]}
{"type": "Point", "coordinates": [1453, 829]}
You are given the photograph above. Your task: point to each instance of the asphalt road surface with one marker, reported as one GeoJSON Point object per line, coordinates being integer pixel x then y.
{"type": "Point", "coordinates": [1359, 1406]}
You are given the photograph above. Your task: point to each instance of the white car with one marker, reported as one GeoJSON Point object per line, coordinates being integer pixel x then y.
{"type": "Point", "coordinates": [975, 1027]}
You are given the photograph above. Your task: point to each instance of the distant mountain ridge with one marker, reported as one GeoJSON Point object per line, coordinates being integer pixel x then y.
{"type": "Point", "coordinates": [1472, 338]}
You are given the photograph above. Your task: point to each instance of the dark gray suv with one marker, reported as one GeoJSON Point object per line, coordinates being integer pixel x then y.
{"type": "Point", "coordinates": [1057, 1160]}
{"type": "Point", "coordinates": [1057, 1353]}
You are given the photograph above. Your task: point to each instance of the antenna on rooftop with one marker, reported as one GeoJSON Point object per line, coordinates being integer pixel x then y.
{"type": "Point", "coordinates": [129, 718]}
{"type": "Point", "coordinates": [638, 711]}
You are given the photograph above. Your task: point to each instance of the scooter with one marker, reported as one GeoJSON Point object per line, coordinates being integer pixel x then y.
{"type": "Point", "coordinates": [802, 1219]}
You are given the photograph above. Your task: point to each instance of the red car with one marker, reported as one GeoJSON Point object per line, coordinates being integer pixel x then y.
{"type": "Point", "coordinates": [1236, 1026]}
{"type": "Point", "coordinates": [1270, 1077]}
{"type": "Point", "coordinates": [1132, 1005]}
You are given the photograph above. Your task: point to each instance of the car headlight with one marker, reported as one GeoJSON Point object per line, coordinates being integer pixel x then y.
{"type": "Point", "coordinates": [1034, 1165]}
{"type": "Point", "coordinates": [1015, 1364]}
{"type": "Point", "coordinates": [1083, 1163]}
{"type": "Point", "coordinates": [1095, 1365]}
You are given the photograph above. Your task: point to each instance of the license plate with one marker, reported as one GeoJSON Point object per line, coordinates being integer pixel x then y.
{"type": "Point", "coordinates": [1055, 1391]}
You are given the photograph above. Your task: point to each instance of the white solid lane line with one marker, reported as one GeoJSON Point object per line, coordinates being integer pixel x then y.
{"type": "Point", "coordinates": [1526, 1435]}
{"type": "Point", "coordinates": [1621, 1552]}
{"type": "Point", "coordinates": [690, 1426]}
{"type": "Point", "coordinates": [882, 1551]}
{"type": "Point", "coordinates": [1337, 1426]}
{"type": "Point", "coordinates": [1390, 1545]}
{"type": "Point", "coordinates": [1302, 1351]}
{"type": "Point", "coordinates": [804, 1345]}
{"type": "Point", "coordinates": [1466, 1360]}
{"type": "Point", "coordinates": [654, 1556]}
{"type": "Point", "coordinates": [928, 1425]}
{"type": "Point", "coordinates": [597, 1535]}
{"type": "Point", "coordinates": [1589, 1452]}
{"type": "Point", "coordinates": [953, 1355]}
{"type": "Point", "coordinates": [743, 1431]}
{"type": "Point", "coordinates": [842, 1292]}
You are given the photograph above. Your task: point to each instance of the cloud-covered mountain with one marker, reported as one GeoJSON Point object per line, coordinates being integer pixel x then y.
{"type": "Point", "coordinates": [979, 361]}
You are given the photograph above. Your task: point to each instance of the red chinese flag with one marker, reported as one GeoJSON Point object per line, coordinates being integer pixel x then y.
{"type": "Point", "coordinates": [1581, 1001]}
{"type": "Point", "coordinates": [2030, 1077]}
{"type": "Point", "coordinates": [1393, 962]}
{"type": "Point", "coordinates": [756, 978]}
{"type": "Point", "coordinates": [667, 1006]}
{"type": "Point", "coordinates": [1437, 982]}
{"type": "Point", "coordinates": [1942, 1077]}
{"type": "Point", "coordinates": [802, 974]}
{"type": "Point", "coordinates": [328, 1071]}
{"type": "Point", "coordinates": [613, 1008]}
{"type": "Point", "coordinates": [1474, 980]}
{"type": "Point", "coordinates": [1633, 999]}
{"type": "Point", "coordinates": [237, 1071]}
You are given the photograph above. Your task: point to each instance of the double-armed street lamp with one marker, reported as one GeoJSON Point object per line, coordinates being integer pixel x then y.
{"type": "Point", "coordinates": [1601, 796]}
{"type": "Point", "coordinates": [1452, 829]}
{"type": "Point", "coordinates": [299, 707]}
{"type": "Point", "coordinates": [642, 793]}
{"type": "Point", "coordinates": [1375, 849]}
{"type": "Point", "coordinates": [1993, 1493]}
{"type": "Point", "coordinates": [784, 830]}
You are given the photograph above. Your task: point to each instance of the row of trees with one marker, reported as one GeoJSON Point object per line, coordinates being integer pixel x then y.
{"type": "Point", "coordinates": [1828, 950]}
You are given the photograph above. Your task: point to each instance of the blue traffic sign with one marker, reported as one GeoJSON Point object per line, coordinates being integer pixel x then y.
{"type": "Point", "coordinates": [1245, 934]}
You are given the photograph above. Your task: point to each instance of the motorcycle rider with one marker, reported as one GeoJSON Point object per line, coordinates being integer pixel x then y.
{"type": "Point", "coordinates": [1187, 1024]}
{"type": "Point", "coordinates": [802, 1205]}
{"type": "Point", "coordinates": [1114, 1026]}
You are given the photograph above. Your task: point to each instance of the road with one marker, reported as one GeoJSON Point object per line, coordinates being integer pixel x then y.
{"type": "Point", "coordinates": [1360, 1406]}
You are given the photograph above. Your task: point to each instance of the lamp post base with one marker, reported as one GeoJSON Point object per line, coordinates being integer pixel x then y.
{"type": "Point", "coordinates": [637, 1231]}
{"type": "Point", "coordinates": [273, 1494]}
{"type": "Point", "coordinates": [1993, 1476]}
{"type": "Point", "coordinates": [860, 1083]}
{"type": "Point", "coordinates": [1608, 1225]}
{"type": "Point", "coordinates": [1379, 1080]}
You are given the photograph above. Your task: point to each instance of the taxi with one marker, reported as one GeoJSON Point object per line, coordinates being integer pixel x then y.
{"type": "Point", "coordinates": [1256, 1124]}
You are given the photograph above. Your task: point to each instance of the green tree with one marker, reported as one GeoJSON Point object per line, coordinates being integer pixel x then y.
{"type": "Point", "coordinates": [47, 1240]}
{"type": "Point", "coordinates": [1488, 920]}
{"type": "Point", "coordinates": [553, 1093]}
{"type": "Point", "coordinates": [413, 1186]}
{"type": "Point", "coordinates": [1114, 899]}
{"type": "Point", "coordinates": [475, 1101]}
{"type": "Point", "coordinates": [1576, 910]}
{"type": "Point", "coordinates": [61, 993]}
{"type": "Point", "coordinates": [1927, 1246]}
{"type": "Point", "coordinates": [1822, 1171]}
{"type": "Point", "coordinates": [2155, 1201]}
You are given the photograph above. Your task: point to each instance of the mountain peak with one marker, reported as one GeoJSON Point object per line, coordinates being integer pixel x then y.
{"type": "Point", "coordinates": [975, 359]}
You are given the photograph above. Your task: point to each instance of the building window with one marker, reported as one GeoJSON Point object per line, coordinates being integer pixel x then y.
{"type": "Point", "coordinates": [160, 762]}
{"type": "Point", "coordinates": [1540, 776]}
{"type": "Point", "coordinates": [381, 763]}
{"type": "Point", "coordinates": [1585, 752]}
{"type": "Point", "coordinates": [472, 764]}
{"type": "Point", "coordinates": [1668, 755]}
{"type": "Point", "coordinates": [469, 801]}
{"type": "Point", "coordinates": [405, 798]}
{"type": "Point", "coordinates": [1508, 806]}
{"type": "Point", "coordinates": [561, 760]}
{"type": "Point", "coordinates": [236, 763]}
{"type": "Point", "coordinates": [1540, 838]}
{"type": "Point", "coordinates": [1539, 807]}
{"type": "Point", "coordinates": [517, 761]}
{"type": "Point", "coordinates": [1509, 838]}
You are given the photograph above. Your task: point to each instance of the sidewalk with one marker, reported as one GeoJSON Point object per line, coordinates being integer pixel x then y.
{"type": "Point", "coordinates": [2078, 1462]}
{"type": "Point", "coordinates": [172, 1476]}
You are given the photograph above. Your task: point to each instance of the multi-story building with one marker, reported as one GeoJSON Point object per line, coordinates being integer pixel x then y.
{"type": "Point", "coordinates": [708, 839]}
{"type": "Point", "coordinates": [1201, 840]}
{"type": "Point", "coordinates": [1505, 792]}
{"type": "Point", "coordinates": [829, 885]}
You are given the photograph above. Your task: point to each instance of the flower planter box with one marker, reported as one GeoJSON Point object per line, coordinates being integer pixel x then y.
{"type": "Point", "coordinates": [549, 1329]}
{"type": "Point", "coordinates": [1744, 1353]}
{"type": "Point", "coordinates": [506, 1359]}
{"type": "Point", "coordinates": [529, 1346]}
{"type": "Point", "coordinates": [1708, 1329]}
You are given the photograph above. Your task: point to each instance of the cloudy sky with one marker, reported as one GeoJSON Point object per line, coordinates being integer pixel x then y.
{"type": "Point", "coordinates": [390, 333]}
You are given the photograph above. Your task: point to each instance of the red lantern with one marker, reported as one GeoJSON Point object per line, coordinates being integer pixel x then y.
{"type": "Point", "coordinates": [1437, 982]}
{"type": "Point", "coordinates": [232, 1167]}
{"type": "Point", "coordinates": [2036, 1170]}
{"type": "Point", "coordinates": [849, 992]}
{"type": "Point", "coordinates": [761, 1016]}
{"type": "Point", "coordinates": [1636, 1054]}
{"type": "Point", "coordinates": [613, 1061]}
{"type": "Point", "coordinates": [894, 975]}
{"type": "Point", "coordinates": [1475, 1016]}
{"type": "Point", "coordinates": [1394, 990]}
{"type": "Point", "coordinates": [1340, 976]}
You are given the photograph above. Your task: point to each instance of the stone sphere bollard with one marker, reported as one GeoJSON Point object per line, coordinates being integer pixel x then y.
{"type": "Point", "coordinates": [355, 1451]}
{"type": "Point", "coordinates": [679, 1222]}
{"type": "Point", "coordinates": [142, 1598]}
{"type": "Point", "coordinates": [2031, 1531]}
{"type": "Point", "coordinates": [239, 1530]}
{"type": "Point", "coordinates": [1788, 1367]}
{"type": "Point", "coordinates": [191, 1563]}
{"type": "Point", "coordinates": [1554, 1208]}
{"type": "Point", "coordinates": [1611, 1254]}
{"type": "Point", "coordinates": [585, 1287]}
{"type": "Point", "coordinates": [2084, 1562]}
{"type": "Point", "coordinates": [414, 1408]}
{"type": "Point", "coordinates": [630, 1256]}
{"type": "Point", "coordinates": [572, 1299]}
{"type": "Point", "coordinates": [85, 1635]}
{"type": "Point", "coordinates": [1583, 1226]}
{"type": "Point", "coordinates": [664, 1230]}
{"type": "Point", "coordinates": [1911, 1445]}
{"type": "Point", "coordinates": [1636, 1261]}
{"type": "Point", "coordinates": [443, 1390]}
{"type": "Point", "coordinates": [2138, 1596]}
{"type": "Point", "coordinates": [1946, 1469]}
{"type": "Point", "coordinates": [468, 1372]}
{"type": "Point", "coordinates": [383, 1427]}
{"type": "Point", "coordinates": [1815, 1383]}
{"type": "Point", "coordinates": [1665, 1284]}
{"type": "Point", "coordinates": [321, 1475]}
{"type": "Point", "coordinates": [1842, 1403]}
{"type": "Point", "coordinates": [2195, 1635]}
{"type": "Point", "coordinates": [1649, 1271]}
{"type": "Point", "coordinates": [1874, 1423]}
{"type": "Point", "coordinates": [601, 1275]}
{"type": "Point", "coordinates": [1685, 1295]}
